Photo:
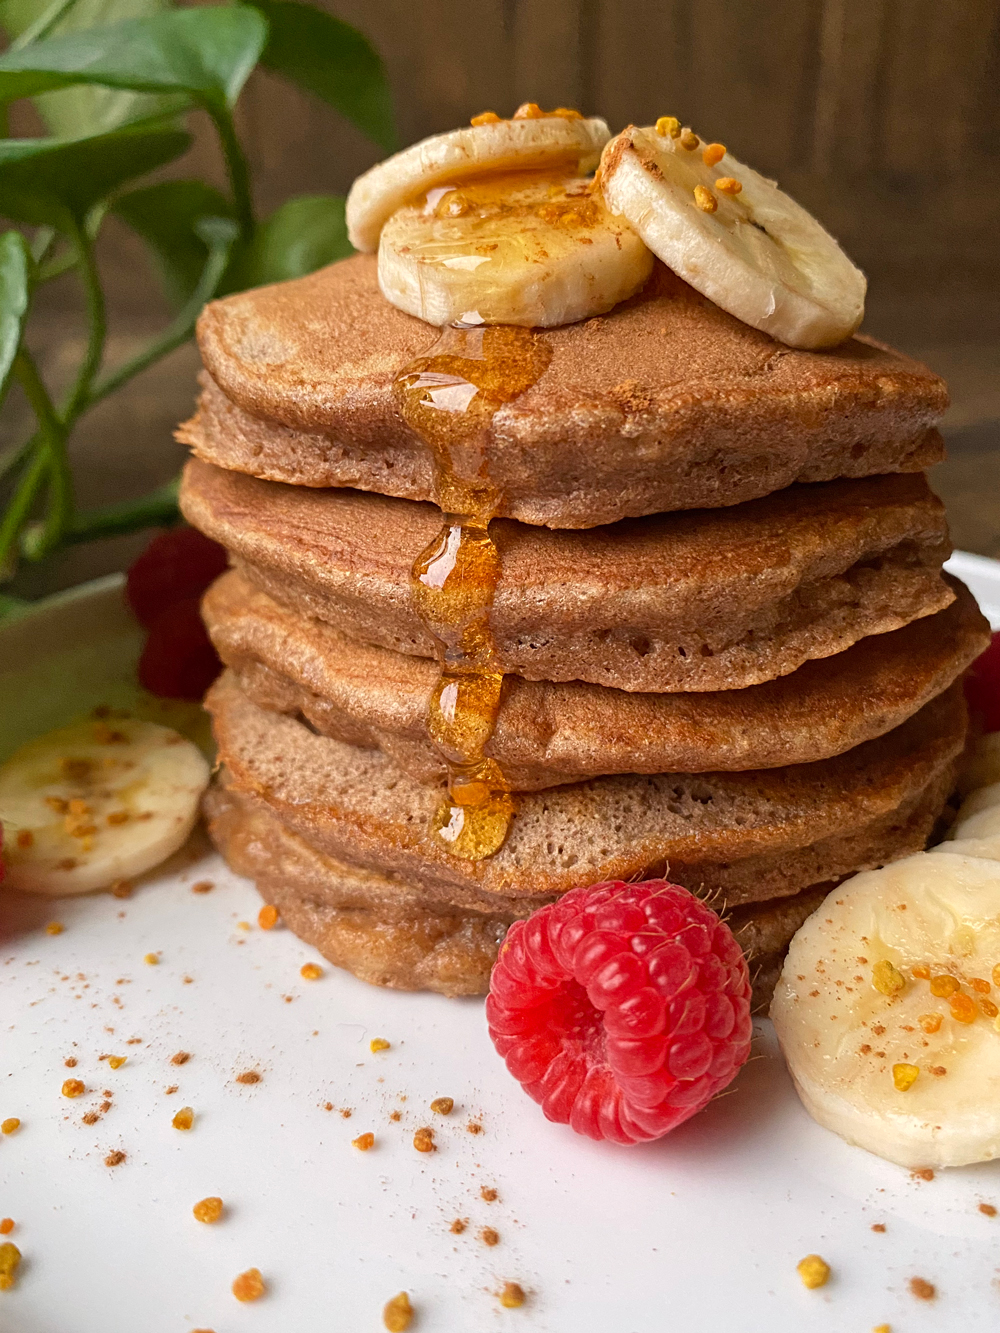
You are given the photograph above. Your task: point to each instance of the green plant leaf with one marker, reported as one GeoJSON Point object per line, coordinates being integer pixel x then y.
{"type": "Point", "coordinates": [165, 216]}
{"type": "Point", "coordinates": [73, 113]}
{"type": "Point", "coordinates": [332, 60]}
{"type": "Point", "coordinates": [298, 238]}
{"type": "Point", "coordinates": [15, 290]}
{"type": "Point", "coordinates": [57, 181]}
{"type": "Point", "coordinates": [207, 53]}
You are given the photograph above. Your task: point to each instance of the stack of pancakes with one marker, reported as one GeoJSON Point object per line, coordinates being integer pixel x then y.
{"type": "Point", "coordinates": [732, 655]}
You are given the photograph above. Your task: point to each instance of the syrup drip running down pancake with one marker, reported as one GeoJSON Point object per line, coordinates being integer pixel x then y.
{"type": "Point", "coordinates": [449, 398]}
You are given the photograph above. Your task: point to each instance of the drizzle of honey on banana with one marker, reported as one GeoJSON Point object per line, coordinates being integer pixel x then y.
{"type": "Point", "coordinates": [449, 397]}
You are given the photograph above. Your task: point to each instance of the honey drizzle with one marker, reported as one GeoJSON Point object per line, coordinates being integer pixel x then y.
{"type": "Point", "coordinates": [449, 397]}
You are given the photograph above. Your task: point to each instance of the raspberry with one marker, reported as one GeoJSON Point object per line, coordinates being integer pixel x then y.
{"type": "Point", "coordinates": [982, 686]}
{"type": "Point", "coordinates": [175, 565]}
{"type": "Point", "coordinates": [178, 661]}
{"type": "Point", "coordinates": [623, 1008]}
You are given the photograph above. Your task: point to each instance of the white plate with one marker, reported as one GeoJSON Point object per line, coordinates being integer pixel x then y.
{"type": "Point", "coordinates": [699, 1232]}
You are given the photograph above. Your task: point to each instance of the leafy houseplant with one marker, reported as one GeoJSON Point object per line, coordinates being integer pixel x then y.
{"type": "Point", "coordinates": [114, 97]}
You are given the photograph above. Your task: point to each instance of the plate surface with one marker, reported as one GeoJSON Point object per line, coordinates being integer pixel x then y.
{"type": "Point", "coordinates": [701, 1231]}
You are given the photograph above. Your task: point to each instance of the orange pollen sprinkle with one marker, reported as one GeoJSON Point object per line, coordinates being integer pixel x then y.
{"type": "Point", "coordinates": [988, 1007]}
{"type": "Point", "coordinates": [814, 1271]}
{"type": "Point", "coordinates": [267, 917]}
{"type": "Point", "coordinates": [981, 985]}
{"type": "Point", "coordinates": [921, 971]}
{"type": "Point", "coordinates": [310, 971]}
{"type": "Point", "coordinates": [963, 1008]}
{"type": "Point", "coordinates": [54, 928]}
{"type": "Point", "coordinates": [10, 1126]}
{"type": "Point", "coordinates": [184, 1118]}
{"type": "Point", "coordinates": [379, 1044]}
{"type": "Point", "coordinates": [249, 1286]}
{"type": "Point", "coordinates": [944, 985]}
{"type": "Point", "coordinates": [668, 125]}
{"type": "Point", "coordinates": [7, 1225]}
{"type": "Point", "coordinates": [423, 1140]}
{"type": "Point", "coordinates": [443, 1105]}
{"type": "Point", "coordinates": [363, 1142]}
{"type": "Point", "coordinates": [208, 1210]}
{"type": "Point", "coordinates": [705, 199]}
{"type": "Point", "coordinates": [996, 975]}
{"type": "Point", "coordinates": [713, 153]}
{"type": "Point", "coordinates": [904, 1077]}
{"type": "Point", "coordinates": [397, 1313]}
{"type": "Point", "coordinates": [728, 185]}
{"type": "Point", "coordinates": [485, 118]}
{"type": "Point", "coordinates": [886, 978]}
{"type": "Point", "coordinates": [73, 1087]}
{"type": "Point", "coordinates": [151, 959]}
{"type": "Point", "coordinates": [116, 1061]}
{"type": "Point", "coordinates": [930, 1022]}
{"type": "Point", "coordinates": [689, 140]}
{"type": "Point", "coordinates": [512, 1297]}
{"type": "Point", "coordinates": [10, 1259]}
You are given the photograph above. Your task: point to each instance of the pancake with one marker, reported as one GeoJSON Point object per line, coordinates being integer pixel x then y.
{"type": "Point", "coordinates": [386, 932]}
{"type": "Point", "coordinates": [714, 600]}
{"type": "Point", "coordinates": [665, 403]}
{"type": "Point", "coordinates": [549, 734]}
{"type": "Point", "coordinates": [749, 836]}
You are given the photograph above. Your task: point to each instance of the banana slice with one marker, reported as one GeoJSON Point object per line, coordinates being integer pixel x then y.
{"type": "Point", "coordinates": [887, 1007]}
{"type": "Point", "coordinates": [97, 802]}
{"type": "Point", "coordinates": [733, 235]}
{"type": "Point", "coordinates": [538, 142]}
{"type": "Point", "coordinates": [976, 830]}
{"type": "Point", "coordinates": [517, 248]}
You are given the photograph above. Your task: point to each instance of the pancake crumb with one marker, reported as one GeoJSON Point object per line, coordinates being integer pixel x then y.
{"type": "Point", "coordinates": [487, 1194]}
{"type": "Point", "coordinates": [181, 1058]}
{"type": "Point", "coordinates": [878, 1226]}
{"type": "Point", "coordinates": [249, 1076]}
{"type": "Point", "coordinates": [458, 1226]}
{"type": "Point", "coordinates": [987, 1210]}
{"type": "Point", "coordinates": [474, 1127]}
{"type": "Point", "coordinates": [922, 1289]}
{"type": "Point", "coordinates": [91, 1118]}
{"type": "Point", "coordinates": [922, 1173]}
{"type": "Point", "coordinates": [489, 1236]}
{"type": "Point", "coordinates": [70, 1062]}
{"type": "Point", "coordinates": [114, 1158]}
{"type": "Point", "coordinates": [172, 1089]}
{"type": "Point", "coordinates": [203, 886]}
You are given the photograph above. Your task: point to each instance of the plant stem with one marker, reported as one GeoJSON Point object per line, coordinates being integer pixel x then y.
{"type": "Point", "coordinates": [156, 509]}
{"type": "Point", "coordinates": [19, 509]}
{"type": "Point", "coordinates": [42, 25]}
{"type": "Point", "coordinates": [91, 362]}
{"type": "Point", "coordinates": [236, 167]}
{"type": "Point", "coordinates": [177, 331]}
{"type": "Point", "coordinates": [51, 449]}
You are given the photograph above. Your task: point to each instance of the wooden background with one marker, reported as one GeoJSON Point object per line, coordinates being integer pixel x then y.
{"type": "Point", "coordinates": [882, 116]}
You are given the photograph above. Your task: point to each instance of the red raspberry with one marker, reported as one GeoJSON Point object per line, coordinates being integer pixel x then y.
{"type": "Point", "coordinates": [175, 565]}
{"type": "Point", "coordinates": [623, 1008]}
{"type": "Point", "coordinates": [982, 687]}
{"type": "Point", "coordinates": [178, 661]}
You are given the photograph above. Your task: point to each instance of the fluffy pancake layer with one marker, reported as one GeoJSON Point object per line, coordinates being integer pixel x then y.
{"type": "Point", "coordinates": [386, 932]}
{"type": "Point", "coordinates": [666, 403]}
{"type": "Point", "coordinates": [749, 836]}
{"type": "Point", "coordinates": [715, 600]}
{"type": "Point", "coordinates": [548, 734]}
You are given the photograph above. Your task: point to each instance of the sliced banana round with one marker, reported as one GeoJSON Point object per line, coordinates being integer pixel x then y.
{"type": "Point", "coordinates": [887, 1010]}
{"type": "Point", "coordinates": [733, 235]}
{"type": "Point", "coordinates": [96, 802]}
{"type": "Point", "coordinates": [544, 141]}
{"type": "Point", "coordinates": [524, 248]}
{"type": "Point", "coordinates": [976, 830]}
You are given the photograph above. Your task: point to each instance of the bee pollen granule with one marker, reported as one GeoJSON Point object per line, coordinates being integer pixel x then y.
{"type": "Point", "coordinates": [814, 1271]}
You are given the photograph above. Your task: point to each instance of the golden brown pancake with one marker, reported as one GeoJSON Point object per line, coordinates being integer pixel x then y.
{"type": "Point", "coordinates": [548, 734]}
{"type": "Point", "coordinates": [386, 932]}
{"type": "Point", "coordinates": [714, 600]}
{"type": "Point", "coordinates": [749, 836]}
{"type": "Point", "coordinates": [665, 403]}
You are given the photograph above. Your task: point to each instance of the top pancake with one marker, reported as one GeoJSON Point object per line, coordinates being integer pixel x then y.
{"type": "Point", "coordinates": [666, 403]}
